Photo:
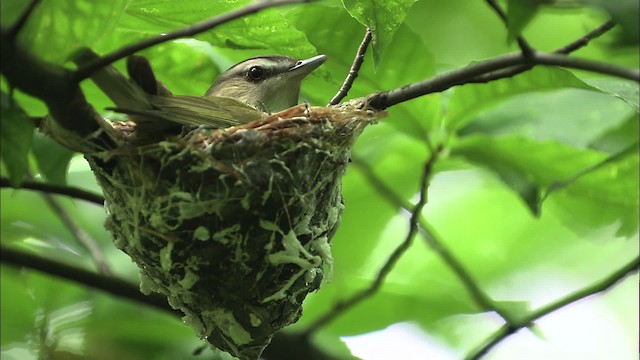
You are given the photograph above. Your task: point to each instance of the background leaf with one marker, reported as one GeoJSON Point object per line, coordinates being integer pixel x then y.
{"type": "Point", "coordinates": [16, 131]}
{"type": "Point", "coordinates": [519, 14]}
{"type": "Point", "coordinates": [381, 16]}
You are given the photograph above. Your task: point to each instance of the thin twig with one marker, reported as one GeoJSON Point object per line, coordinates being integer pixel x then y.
{"type": "Point", "coordinates": [14, 30]}
{"type": "Point", "coordinates": [584, 41]}
{"type": "Point", "coordinates": [69, 191]}
{"type": "Point", "coordinates": [87, 70]}
{"type": "Point", "coordinates": [353, 71]}
{"type": "Point", "coordinates": [526, 49]}
{"type": "Point", "coordinates": [439, 83]}
{"type": "Point", "coordinates": [481, 298]}
{"type": "Point", "coordinates": [566, 50]}
{"type": "Point", "coordinates": [81, 236]}
{"type": "Point", "coordinates": [511, 328]}
{"type": "Point", "coordinates": [587, 65]}
{"type": "Point", "coordinates": [342, 306]}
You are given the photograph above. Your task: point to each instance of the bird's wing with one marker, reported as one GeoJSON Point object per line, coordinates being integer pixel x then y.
{"type": "Point", "coordinates": [219, 112]}
{"type": "Point", "coordinates": [123, 92]}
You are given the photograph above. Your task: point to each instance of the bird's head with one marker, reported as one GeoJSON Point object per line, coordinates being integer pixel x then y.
{"type": "Point", "coordinates": [268, 83]}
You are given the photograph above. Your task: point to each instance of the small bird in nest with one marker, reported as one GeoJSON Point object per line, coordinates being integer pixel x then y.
{"type": "Point", "coordinates": [245, 92]}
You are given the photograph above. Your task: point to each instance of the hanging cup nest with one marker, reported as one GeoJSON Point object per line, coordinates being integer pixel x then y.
{"type": "Point", "coordinates": [233, 225]}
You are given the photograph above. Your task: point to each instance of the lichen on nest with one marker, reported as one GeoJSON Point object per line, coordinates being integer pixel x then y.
{"type": "Point", "coordinates": [233, 225]}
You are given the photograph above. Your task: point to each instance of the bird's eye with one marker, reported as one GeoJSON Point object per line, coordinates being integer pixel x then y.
{"type": "Point", "coordinates": [255, 73]}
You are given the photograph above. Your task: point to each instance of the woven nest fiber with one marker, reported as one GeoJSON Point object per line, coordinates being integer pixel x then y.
{"type": "Point", "coordinates": [233, 225]}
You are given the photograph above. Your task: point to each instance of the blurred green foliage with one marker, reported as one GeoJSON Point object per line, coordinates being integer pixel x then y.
{"type": "Point", "coordinates": [506, 144]}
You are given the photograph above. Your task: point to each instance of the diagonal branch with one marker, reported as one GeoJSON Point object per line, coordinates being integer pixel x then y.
{"type": "Point", "coordinates": [111, 285]}
{"type": "Point", "coordinates": [584, 40]}
{"type": "Point", "coordinates": [82, 237]}
{"type": "Point", "coordinates": [478, 295]}
{"type": "Point", "coordinates": [48, 82]}
{"type": "Point", "coordinates": [14, 30]}
{"type": "Point", "coordinates": [87, 70]}
{"type": "Point", "coordinates": [597, 287]}
{"type": "Point", "coordinates": [342, 306]}
{"type": "Point", "coordinates": [353, 71]}
{"type": "Point", "coordinates": [56, 189]}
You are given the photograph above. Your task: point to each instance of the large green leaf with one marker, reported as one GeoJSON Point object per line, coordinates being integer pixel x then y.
{"type": "Point", "coordinates": [58, 27]}
{"type": "Point", "coordinates": [16, 131]}
{"type": "Point", "coordinates": [626, 90]}
{"type": "Point", "coordinates": [467, 100]}
{"type": "Point", "coordinates": [574, 116]}
{"type": "Point", "coordinates": [620, 137]}
{"type": "Point", "coordinates": [603, 194]}
{"type": "Point", "coordinates": [267, 31]}
{"type": "Point", "coordinates": [381, 16]}
{"type": "Point", "coordinates": [526, 166]}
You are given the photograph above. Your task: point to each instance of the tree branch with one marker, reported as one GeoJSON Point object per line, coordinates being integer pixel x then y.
{"type": "Point", "coordinates": [87, 70]}
{"type": "Point", "coordinates": [584, 41]}
{"type": "Point", "coordinates": [14, 30]}
{"type": "Point", "coordinates": [353, 71]}
{"type": "Point", "coordinates": [481, 298]}
{"type": "Point", "coordinates": [383, 100]}
{"type": "Point", "coordinates": [597, 287]}
{"type": "Point", "coordinates": [49, 83]}
{"type": "Point", "coordinates": [82, 237]}
{"type": "Point", "coordinates": [344, 305]}
{"type": "Point", "coordinates": [109, 284]}
{"type": "Point", "coordinates": [566, 50]}
{"type": "Point", "coordinates": [56, 189]}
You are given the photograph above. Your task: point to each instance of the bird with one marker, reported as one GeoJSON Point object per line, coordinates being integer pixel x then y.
{"type": "Point", "coordinates": [247, 91]}
{"type": "Point", "coordinates": [267, 83]}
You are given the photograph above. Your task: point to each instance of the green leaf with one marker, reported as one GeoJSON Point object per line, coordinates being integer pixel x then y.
{"type": "Point", "coordinates": [624, 13]}
{"type": "Point", "coordinates": [604, 194]}
{"type": "Point", "coordinates": [561, 184]}
{"type": "Point", "coordinates": [58, 27]}
{"type": "Point", "coordinates": [619, 137]}
{"type": "Point", "coordinates": [16, 132]}
{"type": "Point", "coordinates": [381, 16]}
{"type": "Point", "coordinates": [574, 116]}
{"type": "Point", "coordinates": [267, 31]}
{"type": "Point", "coordinates": [52, 158]}
{"type": "Point", "coordinates": [524, 165]}
{"type": "Point", "coordinates": [626, 90]}
{"type": "Point", "coordinates": [468, 99]}
{"type": "Point", "coordinates": [519, 14]}
{"type": "Point", "coordinates": [516, 311]}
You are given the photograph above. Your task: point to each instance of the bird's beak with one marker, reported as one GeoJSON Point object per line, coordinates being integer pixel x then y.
{"type": "Point", "coordinates": [305, 67]}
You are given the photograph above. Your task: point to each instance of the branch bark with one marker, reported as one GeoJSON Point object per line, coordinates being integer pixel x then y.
{"type": "Point", "coordinates": [342, 306]}
{"type": "Point", "coordinates": [439, 83]}
{"type": "Point", "coordinates": [56, 189]}
{"type": "Point", "coordinates": [595, 288]}
{"type": "Point", "coordinates": [87, 70]}
{"type": "Point", "coordinates": [48, 82]}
